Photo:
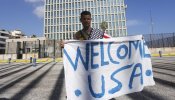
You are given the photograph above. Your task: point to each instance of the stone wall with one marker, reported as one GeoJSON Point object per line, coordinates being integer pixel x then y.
{"type": "Point", "coordinates": [6, 56]}
{"type": "Point", "coordinates": [165, 51]}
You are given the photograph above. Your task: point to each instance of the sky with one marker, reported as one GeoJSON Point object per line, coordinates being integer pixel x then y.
{"type": "Point", "coordinates": [27, 16]}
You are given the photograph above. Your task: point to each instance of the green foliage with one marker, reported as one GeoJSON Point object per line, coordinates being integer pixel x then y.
{"type": "Point", "coordinates": [33, 36]}
{"type": "Point", "coordinates": [104, 25]}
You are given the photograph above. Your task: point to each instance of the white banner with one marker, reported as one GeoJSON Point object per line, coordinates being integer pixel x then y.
{"type": "Point", "coordinates": [107, 68]}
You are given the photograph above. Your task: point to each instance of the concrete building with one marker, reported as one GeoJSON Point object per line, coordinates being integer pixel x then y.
{"type": "Point", "coordinates": [3, 36]}
{"type": "Point", "coordinates": [16, 34]}
{"type": "Point", "coordinates": [29, 47]}
{"type": "Point", "coordinates": [61, 18]}
{"type": "Point", "coordinates": [24, 48]}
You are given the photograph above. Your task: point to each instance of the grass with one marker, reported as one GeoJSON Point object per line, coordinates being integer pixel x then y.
{"type": "Point", "coordinates": [44, 60]}
{"type": "Point", "coordinates": [41, 60]}
{"type": "Point", "coordinates": [166, 55]}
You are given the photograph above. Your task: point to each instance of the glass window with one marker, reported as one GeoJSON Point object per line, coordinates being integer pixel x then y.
{"type": "Point", "coordinates": [48, 29]}
{"type": "Point", "coordinates": [67, 20]}
{"type": "Point", "coordinates": [67, 6]}
{"type": "Point", "coordinates": [76, 26]}
{"type": "Point", "coordinates": [45, 29]}
{"type": "Point", "coordinates": [54, 28]}
{"type": "Point", "coordinates": [60, 7]}
{"type": "Point", "coordinates": [48, 21]}
{"type": "Point", "coordinates": [61, 29]}
{"type": "Point", "coordinates": [54, 13]}
{"type": "Point", "coordinates": [113, 17]}
{"type": "Point", "coordinates": [51, 29]}
{"type": "Point", "coordinates": [51, 20]}
{"type": "Point", "coordinates": [72, 27]}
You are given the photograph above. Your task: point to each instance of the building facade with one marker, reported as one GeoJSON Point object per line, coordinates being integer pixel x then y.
{"type": "Point", "coordinates": [17, 34]}
{"type": "Point", "coordinates": [62, 17]}
{"type": "Point", "coordinates": [3, 36]}
{"type": "Point", "coordinates": [39, 47]}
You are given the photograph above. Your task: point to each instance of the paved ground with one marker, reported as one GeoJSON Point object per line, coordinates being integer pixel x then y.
{"type": "Point", "coordinates": [20, 81]}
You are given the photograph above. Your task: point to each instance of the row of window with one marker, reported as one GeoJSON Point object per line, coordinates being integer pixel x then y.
{"type": "Point", "coordinates": [74, 6]}
{"type": "Point", "coordinates": [87, 2]}
{"type": "Point", "coordinates": [60, 36]}
{"type": "Point", "coordinates": [95, 18]}
{"type": "Point", "coordinates": [75, 27]}
{"type": "Point", "coordinates": [68, 13]}
{"type": "Point", "coordinates": [102, 8]}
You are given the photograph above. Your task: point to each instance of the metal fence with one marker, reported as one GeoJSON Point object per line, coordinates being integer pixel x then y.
{"type": "Point", "coordinates": [160, 40]}
{"type": "Point", "coordinates": [44, 48]}
{"type": "Point", "coordinates": [51, 48]}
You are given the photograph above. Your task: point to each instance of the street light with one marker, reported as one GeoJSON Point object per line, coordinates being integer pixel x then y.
{"type": "Point", "coordinates": [35, 50]}
{"type": "Point", "coordinates": [11, 52]}
{"type": "Point", "coordinates": [39, 47]}
{"type": "Point", "coordinates": [54, 48]}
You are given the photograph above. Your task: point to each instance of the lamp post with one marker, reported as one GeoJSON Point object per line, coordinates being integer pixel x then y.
{"type": "Point", "coordinates": [11, 52]}
{"type": "Point", "coordinates": [54, 48]}
{"type": "Point", "coordinates": [39, 47]}
{"type": "Point", "coordinates": [35, 50]}
{"type": "Point", "coordinates": [34, 59]}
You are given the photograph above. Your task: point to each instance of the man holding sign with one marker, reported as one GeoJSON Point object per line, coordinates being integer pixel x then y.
{"type": "Point", "coordinates": [104, 69]}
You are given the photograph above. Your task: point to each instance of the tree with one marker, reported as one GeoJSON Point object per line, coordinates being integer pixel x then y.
{"type": "Point", "coordinates": [33, 36]}
{"type": "Point", "coordinates": [104, 25]}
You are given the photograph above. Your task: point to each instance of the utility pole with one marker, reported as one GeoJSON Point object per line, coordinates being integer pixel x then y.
{"type": "Point", "coordinates": [151, 19]}
{"type": "Point", "coordinates": [152, 30]}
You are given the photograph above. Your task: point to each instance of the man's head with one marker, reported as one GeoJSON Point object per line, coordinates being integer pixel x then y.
{"type": "Point", "coordinates": [86, 19]}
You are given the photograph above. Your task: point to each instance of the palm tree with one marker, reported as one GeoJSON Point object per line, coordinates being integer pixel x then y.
{"type": "Point", "coordinates": [104, 25]}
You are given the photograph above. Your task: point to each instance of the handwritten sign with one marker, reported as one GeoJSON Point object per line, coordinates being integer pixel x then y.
{"type": "Point", "coordinates": [104, 69]}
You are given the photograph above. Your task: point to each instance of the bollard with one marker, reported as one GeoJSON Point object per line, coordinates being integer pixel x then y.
{"type": "Point", "coordinates": [30, 59]}
{"type": "Point", "coordinates": [34, 61]}
{"type": "Point", "coordinates": [160, 53]}
{"type": "Point", "coordinates": [54, 59]}
{"type": "Point", "coordinates": [9, 60]}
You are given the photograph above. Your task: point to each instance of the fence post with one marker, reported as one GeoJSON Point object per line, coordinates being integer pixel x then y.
{"type": "Point", "coordinates": [9, 60]}
{"type": "Point", "coordinates": [174, 39]}
{"type": "Point", "coordinates": [30, 59]}
{"type": "Point", "coordinates": [151, 41]}
{"type": "Point", "coordinates": [163, 41]}
{"type": "Point", "coordinates": [34, 61]}
{"type": "Point", "coordinates": [160, 53]}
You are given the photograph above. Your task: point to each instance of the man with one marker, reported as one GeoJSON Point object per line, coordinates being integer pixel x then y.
{"type": "Point", "coordinates": [88, 33]}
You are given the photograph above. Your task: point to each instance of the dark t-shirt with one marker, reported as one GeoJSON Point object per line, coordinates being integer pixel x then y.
{"type": "Point", "coordinates": [94, 34]}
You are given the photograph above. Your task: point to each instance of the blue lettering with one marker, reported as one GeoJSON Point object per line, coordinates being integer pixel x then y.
{"type": "Point", "coordinates": [93, 66]}
{"type": "Point", "coordinates": [97, 95]}
{"type": "Point", "coordinates": [136, 45]}
{"type": "Point", "coordinates": [145, 46]}
{"type": "Point", "coordinates": [79, 55]}
{"type": "Point", "coordinates": [119, 86]}
{"type": "Point", "coordinates": [141, 49]}
{"type": "Point", "coordinates": [102, 55]}
{"type": "Point", "coordinates": [110, 58]}
{"type": "Point", "coordinates": [133, 75]}
{"type": "Point", "coordinates": [119, 50]}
